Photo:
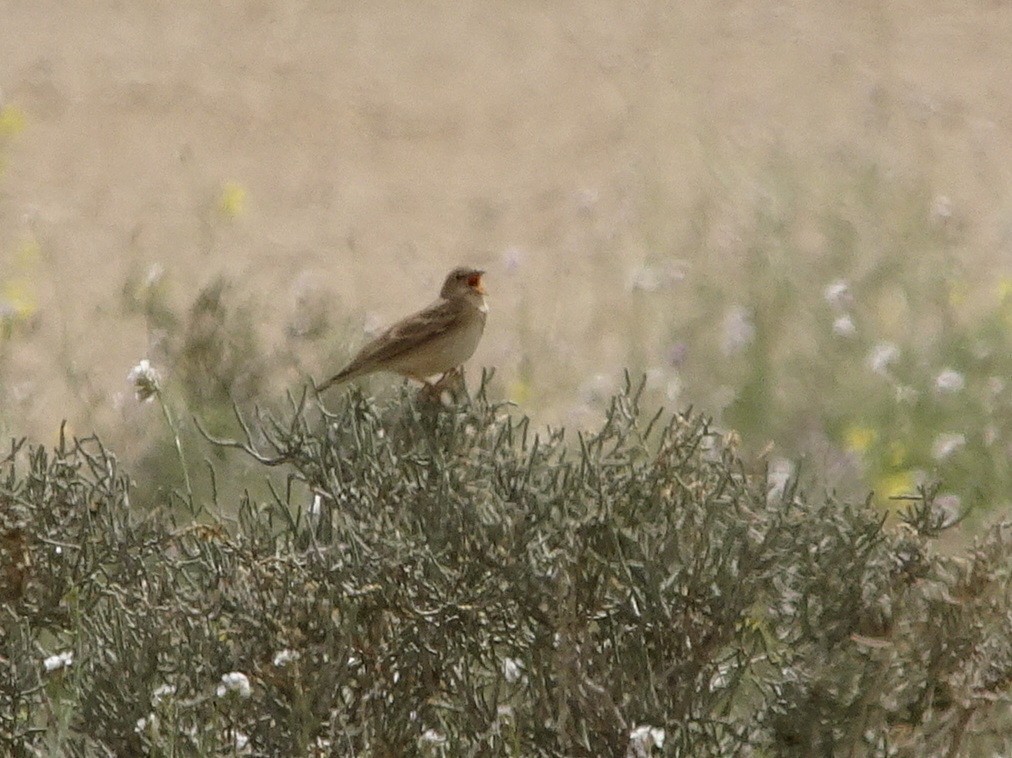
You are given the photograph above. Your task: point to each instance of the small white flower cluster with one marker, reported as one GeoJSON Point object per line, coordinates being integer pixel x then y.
{"type": "Point", "coordinates": [145, 380]}
{"type": "Point", "coordinates": [431, 741]}
{"type": "Point", "coordinates": [844, 326]}
{"type": "Point", "coordinates": [235, 681]}
{"type": "Point", "coordinates": [433, 737]}
{"type": "Point", "coordinates": [950, 382]}
{"type": "Point", "coordinates": [882, 357]}
{"type": "Point", "coordinates": [240, 740]}
{"type": "Point", "coordinates": [945, 445]}
{"type": "Point", "coordinates": [150, 722]}
{"type": "Point", "coordinates": [58, 661]}
{"type": "Point", "coordinates": [837, 294]}
{"type": "Point", "coordinates": [643, 739]}
{"type": "Point", "coordinates": [512, 670]}
{"type": "Point", "coordinates": [161, 693]}
{"type": "Point", "coordinates": [286, 656]}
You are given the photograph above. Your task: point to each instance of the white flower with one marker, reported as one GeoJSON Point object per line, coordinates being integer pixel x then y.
{"type": "Point", "coordinates": [946, 444]}
{"type": "Point", "coordinates": [145, 380]}
{"type": "Point", "coordinates": [837, 294]}
{"type": "Point", "coordinates": [234, 681]}
{"type": "Point", "coordinates": [844, 326]}
{"type": "Point", "coordinates": [950, 381]}
{"type": "Point", "coordinates": [739, 331]}
{"type": "Point", "coordinates": [160, 693]}
{"type": "Point", "coordinates": [241, 741]}
{"type": "Point", "coordinates": [721, 677]}
{"type": "Point", "coordinates": [882, 356]}
{"type": "Point", "coordinates": [643, 739]}
{"type": "Point", "coordinates": [142, 723]}
{"type": "Point", "coordinates": [432, 737]}
{"type": "Point", "coordinates": [512, 669]}
{"type": "Point", "coordinates": [286, 656]}
{"type": "Point", "coordinates": [58, 661]}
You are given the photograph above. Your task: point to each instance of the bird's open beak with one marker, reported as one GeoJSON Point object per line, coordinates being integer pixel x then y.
{"type": "Point", "coordinates": [475, 283]}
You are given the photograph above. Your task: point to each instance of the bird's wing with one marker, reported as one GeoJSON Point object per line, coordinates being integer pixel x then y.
{"type": "Point", "coordinates": [407, 334]}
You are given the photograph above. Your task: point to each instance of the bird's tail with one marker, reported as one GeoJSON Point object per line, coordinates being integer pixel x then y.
{"type": "Point", "coordinates": [339, 378]}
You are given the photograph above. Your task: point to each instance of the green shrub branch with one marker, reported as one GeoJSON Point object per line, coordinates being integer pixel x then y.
{"type": "Point", "coordinates": [442, 580]}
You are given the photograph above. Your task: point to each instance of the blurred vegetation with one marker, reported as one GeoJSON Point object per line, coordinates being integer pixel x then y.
{"type": "Point", "coordinates": [876, 353]}
{"type": "Point", "coordinates": [437, 579]}
{"type": "Point", "coordinates": [848, 323]}
{"type": "Point", "coordinates": [841, 319]}
{"type": "Point", "coordinates": [397, 578]}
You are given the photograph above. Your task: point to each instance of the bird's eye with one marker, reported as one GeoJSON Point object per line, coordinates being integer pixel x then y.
{"type": "Point", "coordinates": [474, 280]}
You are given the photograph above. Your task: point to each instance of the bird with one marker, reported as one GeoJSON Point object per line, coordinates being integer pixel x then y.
{"type": "Point", "coordinates": [435, 340]}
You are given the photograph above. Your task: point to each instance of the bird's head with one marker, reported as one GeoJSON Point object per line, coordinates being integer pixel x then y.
{"type": "Point", "coordinates": [463, 281]}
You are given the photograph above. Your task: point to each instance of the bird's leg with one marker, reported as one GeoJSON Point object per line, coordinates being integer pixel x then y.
{"type": "Point", "coordinates": [452, 380]}
{"type": "Point", "coordinates": [428, 391]}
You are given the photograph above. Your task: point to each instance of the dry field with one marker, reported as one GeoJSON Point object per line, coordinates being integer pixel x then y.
{"type": "Point", "coordinates": [605, 161]}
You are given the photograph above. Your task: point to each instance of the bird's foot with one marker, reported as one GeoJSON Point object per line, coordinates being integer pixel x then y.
{"type": "Point", "coordinates": [446, 389]}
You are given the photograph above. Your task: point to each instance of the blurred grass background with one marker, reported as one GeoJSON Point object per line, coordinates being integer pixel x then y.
{"type": "Point", "coordinates": [795, 217]}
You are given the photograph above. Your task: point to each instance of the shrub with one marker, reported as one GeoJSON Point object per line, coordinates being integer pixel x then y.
{"type": "Point", "coordinates": [441, 580]}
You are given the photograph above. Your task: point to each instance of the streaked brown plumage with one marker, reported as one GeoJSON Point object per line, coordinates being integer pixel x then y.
{"type": "Point", "coordinates": [433, 341]}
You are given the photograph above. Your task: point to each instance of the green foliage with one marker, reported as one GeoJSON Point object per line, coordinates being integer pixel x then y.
{"type": "Point", "coordinates": [438, 580]}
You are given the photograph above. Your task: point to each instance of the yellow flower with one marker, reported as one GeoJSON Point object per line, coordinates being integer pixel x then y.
{"type": "Point", "coordinates": [12, 121]}
{"type": "Point", "coordinates": [859, 438]}
{"type": "Point", "coordinates": [19, 298]}
{"type": "Point", "coordinates": [18, 291]}
{"type": "Point", "coordinates": [1005, 289]}
{"type": "Point", "coordinates": [232, 202]}
{"type": "Point", "coordinates": [519, 391]}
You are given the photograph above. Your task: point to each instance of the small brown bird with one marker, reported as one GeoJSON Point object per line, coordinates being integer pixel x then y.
{"type": "Point", "coordinates": [436, 340]}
